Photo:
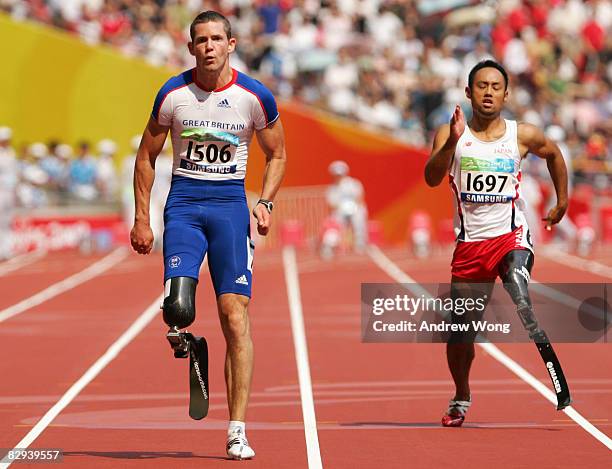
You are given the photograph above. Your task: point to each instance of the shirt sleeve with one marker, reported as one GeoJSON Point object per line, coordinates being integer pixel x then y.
{"type": "Point", "coordinates": [162, 108]}
{"type": "Point", "coordinates": [265, 112]}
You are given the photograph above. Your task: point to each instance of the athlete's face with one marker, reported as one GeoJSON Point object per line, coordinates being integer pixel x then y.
{"type": "Point", "coordinates": [210, 45]}
{"type": "Point", "coordinates": [488, 93]}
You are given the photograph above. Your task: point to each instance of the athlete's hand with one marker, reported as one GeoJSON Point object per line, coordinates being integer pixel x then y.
{"type": "Point", "coordinates": [141, 238]}
{"type": "Point", "coordinates": [260, 212]}
{"type": "Point", "coordinates": [555, 215]}
{"type": "Point", "coordinates": [457, 125]}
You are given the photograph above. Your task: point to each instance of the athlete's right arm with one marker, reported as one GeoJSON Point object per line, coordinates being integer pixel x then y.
{"type": "Point", "coordinates": [151, 144]}
{"type": "Point", "coordinates": [443, 148]}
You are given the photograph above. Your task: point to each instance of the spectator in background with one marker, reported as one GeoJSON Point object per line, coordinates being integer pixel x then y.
{"type": "Point", "coordinates": [32, 178]}
{"type": "Point", "coordinates": [270, 13]}
{"type": "Point", "coordinates": [83, 175]}
{"type": "Point", "coordinates": [340, 80]}
{"type": "Point", "coordinates": [345, 198]}
{"type": "Point", "coordinates": [106, 175]}
{"type": "Point", "coordinates": [55, 165]}
{"type": "Point", "coordinates": [386, 63]}
{"type": "Point", "coordinates": [8, 183]}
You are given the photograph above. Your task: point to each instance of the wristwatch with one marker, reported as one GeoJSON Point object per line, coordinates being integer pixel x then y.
{"type": "Point", "coordinates": [266, 203]}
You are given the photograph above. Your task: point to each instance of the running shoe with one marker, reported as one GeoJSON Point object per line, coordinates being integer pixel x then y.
{"type": "Point", "coordinates": [238, 446]}
{"type": "Point", "coordinates": [455, 415]}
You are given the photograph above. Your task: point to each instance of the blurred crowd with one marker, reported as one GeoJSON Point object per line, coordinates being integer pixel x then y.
{"type": "Point", "coordinates": [400, 65]}
{"type": "Point", "coordinates": [40, 175]}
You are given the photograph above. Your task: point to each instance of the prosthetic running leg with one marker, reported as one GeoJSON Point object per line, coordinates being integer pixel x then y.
{"type": "Point", "coordinates": [179, 312]}
{"type": "Point", "coordinates": [515, 272]}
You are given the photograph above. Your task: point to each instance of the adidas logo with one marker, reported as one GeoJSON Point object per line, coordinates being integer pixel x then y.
{"type": "Point", "coordinates": [225, 103]}
{"type": "Point", "coordinates": [242, 280]}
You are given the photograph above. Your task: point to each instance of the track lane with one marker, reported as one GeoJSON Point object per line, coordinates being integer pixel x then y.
{"type": "Point", "coordinates": [330, 292]}
{"type": "Point", "coordinates": [137, 407]}
{"type": "Point", "coordinates": [52, 344]}
{"type": "Point", "coordinates": [583, 363]}
{"type": "Point", "coordinates": [43, 272]}
{"type": "Point", "coordinates": [580, 361]}
{"type": "Point", "coordinates": [356, 387]}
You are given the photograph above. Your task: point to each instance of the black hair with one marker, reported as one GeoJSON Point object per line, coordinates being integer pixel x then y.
{"type": "Point", "coordinates": [207, 16]}
{"type": "Point", "coordinates": [487, 64]}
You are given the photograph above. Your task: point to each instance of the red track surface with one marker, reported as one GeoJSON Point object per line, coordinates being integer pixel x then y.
{"type": "Point", "coordinates": [377, 405]}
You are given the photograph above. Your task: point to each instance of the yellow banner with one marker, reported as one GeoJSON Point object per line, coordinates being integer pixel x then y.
{"type": "Point", "coordinates": [53, 85]}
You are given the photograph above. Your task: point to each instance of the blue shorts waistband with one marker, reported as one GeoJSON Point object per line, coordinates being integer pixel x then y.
{"type": "Point", "coordinates": [198, 189]}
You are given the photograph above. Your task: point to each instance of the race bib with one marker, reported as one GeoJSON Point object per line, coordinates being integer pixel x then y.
{"type": "Point", "coordinates": [209, 151]}
{"type": "Point", "coordinates": [487, 181]}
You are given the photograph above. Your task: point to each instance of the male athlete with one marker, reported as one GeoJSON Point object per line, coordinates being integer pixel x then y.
{"type": "Point", "coordinates": [482, 160]}
{"type": "Point", "coordinates": [211, 112]}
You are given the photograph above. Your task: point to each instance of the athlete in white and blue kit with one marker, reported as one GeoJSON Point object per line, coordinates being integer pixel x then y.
{"type": "Point", "coordinates": [211, 112]}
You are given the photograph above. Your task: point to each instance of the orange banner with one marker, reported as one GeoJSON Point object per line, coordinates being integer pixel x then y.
{"type": "Point", "coordinates": [391, 172]}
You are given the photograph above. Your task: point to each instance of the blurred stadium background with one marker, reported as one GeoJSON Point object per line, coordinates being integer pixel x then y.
{"type": "Point", "coordinates": [365, 81]}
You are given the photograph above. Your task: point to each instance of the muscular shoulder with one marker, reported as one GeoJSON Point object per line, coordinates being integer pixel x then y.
{"type": "Point", "coordinates": [253, 86]}
{"type": "Point", "coordinates": [176, 82]}
{"type": "Point", "coordinates": [257, 89]}
{"type": "Point", "coordinates": [530, 137]}
{"type": "Point", "coordinates": [529, 133]}
{"type": "Point", "coordinates": [173, 84]}
{"type": "Point", "coordinates": [263, 95]}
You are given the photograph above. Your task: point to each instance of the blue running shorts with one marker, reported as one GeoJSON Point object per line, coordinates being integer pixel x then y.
{"type": "Point", "coordinates": [209, 217]}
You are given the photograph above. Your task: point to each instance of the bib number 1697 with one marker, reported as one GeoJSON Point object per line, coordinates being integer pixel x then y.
{"type": "Point", "coordinates": [480, 182]}
{"type": "Point", "coordinates": [212, 153]}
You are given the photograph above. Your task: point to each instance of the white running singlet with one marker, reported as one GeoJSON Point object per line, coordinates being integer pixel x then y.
{"type": "Point", "coordinates": [485, 178]}
{"type": "Point", "coordinates": [211, 130]}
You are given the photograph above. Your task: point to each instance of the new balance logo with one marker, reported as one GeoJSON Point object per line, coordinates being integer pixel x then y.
{"type": "Point", "coordinates": [242, 280]}
{"type": "Point", "coordinates": [225, 103]}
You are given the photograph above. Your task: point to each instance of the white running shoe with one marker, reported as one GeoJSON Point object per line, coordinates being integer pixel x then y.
{"type": "Point", "coordinates": [238, 446]}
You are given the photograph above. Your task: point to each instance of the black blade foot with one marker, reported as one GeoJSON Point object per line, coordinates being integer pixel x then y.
{"type": "Point", "coordinates": [198, 378]}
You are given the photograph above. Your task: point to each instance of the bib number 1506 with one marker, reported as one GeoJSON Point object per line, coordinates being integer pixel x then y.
{"type": "Point", "coordinates": [480, 182]}
{"type": "Point", "coordinates": [212, 153]}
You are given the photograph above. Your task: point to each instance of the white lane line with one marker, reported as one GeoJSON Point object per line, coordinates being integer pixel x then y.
{"type": "Point", "coordinates": [74, 280]}
{"type": "Point", "coordinates": [95, 369]}
{"type": "Point", "coordinates": [301, 357]}
{"type": "Point", "coordinates": [576, 262]}
{"type": "Point", "coordinates": [559, 297]}
{"type": "Point", "coordinates": [388, 266]}
{"type": "Point", "coordinates": [20, 261]}
{"type": "Point", "coordinates": [544, 391]}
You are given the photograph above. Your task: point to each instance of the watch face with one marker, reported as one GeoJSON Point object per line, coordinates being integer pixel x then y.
{"type": "Point", "coordinates": [266, 203]}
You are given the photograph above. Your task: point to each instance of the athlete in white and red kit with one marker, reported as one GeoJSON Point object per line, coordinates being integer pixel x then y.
{"type": "Point", "coordinates": [483, 162]}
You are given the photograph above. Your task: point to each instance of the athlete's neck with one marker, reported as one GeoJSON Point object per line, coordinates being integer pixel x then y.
{"type": "Point", "coordinates": [487, 127]}
{"type": "Point", "coordinates": [210, 81]}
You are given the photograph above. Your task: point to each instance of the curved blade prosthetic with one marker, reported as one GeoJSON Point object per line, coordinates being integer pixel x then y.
{"type": "Point", "coordinates": [198, 378]}
{"type": "Point", "coordinates": [185, 344]}
{"type": "Point", "coordinates": [549, 356]}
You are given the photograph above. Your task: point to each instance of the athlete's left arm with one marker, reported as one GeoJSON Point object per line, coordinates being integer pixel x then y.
{"type": "Point", "coordinates": [272, 141]}
{"type": "Point", "coordinates": [531, 139]}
